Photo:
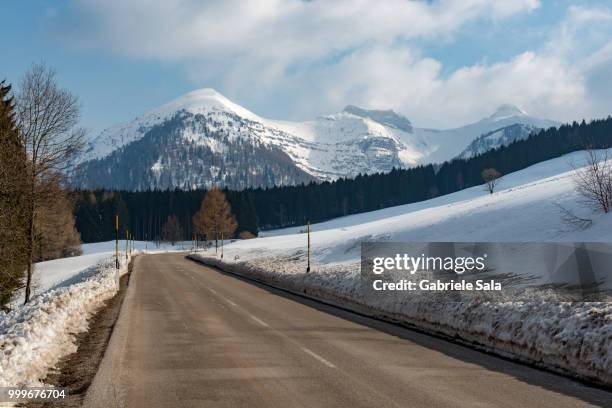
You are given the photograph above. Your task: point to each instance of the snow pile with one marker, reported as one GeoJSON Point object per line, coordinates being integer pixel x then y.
{"type": "Point", "coordinates": [34, 337]}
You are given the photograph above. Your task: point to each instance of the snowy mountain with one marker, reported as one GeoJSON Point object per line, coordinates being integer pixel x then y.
{"type": "Point", "coordinates": [202, 139]}
{"type": "Point", "coordinates": [498, 138]}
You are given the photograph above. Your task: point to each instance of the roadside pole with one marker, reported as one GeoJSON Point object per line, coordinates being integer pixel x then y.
{"type": "Point", "coordinates": [127, 234]}
{"type": "Point", "coordinates": [308, 231]}
{"type": "Point", "coordinates": [117, 241]}
{"type": "Point", "coordinates": [221, 245]}
{"type": "Point", "coordinates": [117, 251]}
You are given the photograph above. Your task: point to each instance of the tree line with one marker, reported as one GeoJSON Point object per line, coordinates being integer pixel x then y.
{"type": "Point", "coordinates": [39, 136]}
{"type": "Point", "coordinates": [277, 207]}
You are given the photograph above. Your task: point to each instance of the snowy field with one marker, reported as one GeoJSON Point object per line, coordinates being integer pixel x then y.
{"type": "Point", "coordinates": [574, 338]}
{"type": "Point", "coordinates": [66, 292]}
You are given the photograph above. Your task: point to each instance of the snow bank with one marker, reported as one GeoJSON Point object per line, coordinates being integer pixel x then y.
{"type": "Point", "coordinates": [34, 337]}
{"type": "Point", "coordinates": [571, 338]}
{"type": "Point", "coordinates": [66, 271]}
{"type": "Point", "coordinates": [150, 247]}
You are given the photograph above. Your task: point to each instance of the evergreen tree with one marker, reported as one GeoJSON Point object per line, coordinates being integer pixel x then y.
{"type": "Point", "coordinates": [13, 200]}
{"type": "Point", "coordinates": [215, 220]}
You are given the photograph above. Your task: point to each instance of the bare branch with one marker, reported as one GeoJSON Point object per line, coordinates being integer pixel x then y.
{"type": "Point", "coordinates": [594, 181]}
{"type": "Point", "coordinates": [47, 118]}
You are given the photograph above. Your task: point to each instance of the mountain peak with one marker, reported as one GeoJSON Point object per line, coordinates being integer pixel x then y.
{"type": "Point", "coordinates": [204, 100]}
{"type": "Point", "coordinates": [507, 110]}
{"type": "Point", "coordinates": [385, 117]}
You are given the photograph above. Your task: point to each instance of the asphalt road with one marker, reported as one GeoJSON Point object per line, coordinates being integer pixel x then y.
{"type": "Point", "coordinates": [191, 336]}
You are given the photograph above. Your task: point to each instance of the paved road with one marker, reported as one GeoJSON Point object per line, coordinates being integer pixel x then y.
{"type": "Point", "coordinates": [190, 336]}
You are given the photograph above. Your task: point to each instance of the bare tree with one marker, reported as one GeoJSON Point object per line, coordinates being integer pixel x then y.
{"type": "Point", "coordinates": [215, 220]}
{"type": "Point", "coordinates": [594, 181]}
{"type": "Point", "coordinates": [47, 118]}
{"type": "Point", "coordinates": [172, 231]}
{"type": "Point", "coordinates": [491, 178]}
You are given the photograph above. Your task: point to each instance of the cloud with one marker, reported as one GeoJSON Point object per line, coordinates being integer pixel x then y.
{"type": "Point", "coordinates": [302, 58]}
{"type": "Point", "coordinates": [279, 30]}
{"type": "Point", "coordinates": [379, 77]}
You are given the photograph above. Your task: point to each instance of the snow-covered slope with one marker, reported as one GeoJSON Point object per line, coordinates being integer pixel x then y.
{"type": "Point", "coordinates": [197, 139]}
{"type": "Point", "coordinates": [450, 143]}
{"type": "Point", "coordinates": [524, 209]}
{"type": "Point", "coordinates": [497, 138]}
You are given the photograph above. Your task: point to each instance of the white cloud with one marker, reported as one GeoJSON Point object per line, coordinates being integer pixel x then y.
{"type": "Point", "coordinates": [301, 58]}
{"type": "Point", "coordinates": [275, 29]}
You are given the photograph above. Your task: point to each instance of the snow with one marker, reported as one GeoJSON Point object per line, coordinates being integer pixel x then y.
{"type": "Point", "coordinates": [202, 101]}
{"type": "Point", "coordinates": [471, 214]}
{"type": "Point", "coordinates": [34, 337]}
{"type": "Point", "coordinates": [507, 110]}
{"type": "Point", "coordinates": [572, 338]}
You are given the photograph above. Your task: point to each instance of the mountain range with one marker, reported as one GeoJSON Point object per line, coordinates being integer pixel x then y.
{"type": "Point", "coordinates": [203, 139]}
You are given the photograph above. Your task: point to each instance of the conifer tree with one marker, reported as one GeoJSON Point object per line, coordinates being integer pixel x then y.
{"type": "Point", "coordinates": [215, 220]}
{"type": "Point", "coordinates": [13, 200]}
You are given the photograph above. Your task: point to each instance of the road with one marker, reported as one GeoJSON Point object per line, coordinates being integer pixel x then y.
{"type": "Point", "coordinates": [191, 336]}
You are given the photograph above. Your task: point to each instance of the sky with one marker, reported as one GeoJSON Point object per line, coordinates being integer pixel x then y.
{"type": "Point", "coordinates": [441, 63]}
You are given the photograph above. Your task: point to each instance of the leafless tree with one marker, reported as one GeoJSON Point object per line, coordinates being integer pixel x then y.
{"type": "Point", "coordinates": [491, 178]}
{"type": "Point", "coordinates": [172, 231]}
{"type": "Point", "coordinates": [594, 181]}
{"type": "Point", "coordinates": [47, 119]}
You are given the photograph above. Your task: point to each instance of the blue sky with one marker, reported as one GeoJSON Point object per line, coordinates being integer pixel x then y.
{"type": "Point", "coordinates": [441, 63]}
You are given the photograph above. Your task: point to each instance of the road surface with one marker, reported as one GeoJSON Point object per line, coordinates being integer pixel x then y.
{"type": "Point", "coordinates": [191, 336]}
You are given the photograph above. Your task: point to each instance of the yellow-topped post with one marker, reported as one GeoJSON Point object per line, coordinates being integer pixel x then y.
{"type": "Point", "coordinates": [308, 231]}
{"type": "Point", "coordinates": [117, 241]}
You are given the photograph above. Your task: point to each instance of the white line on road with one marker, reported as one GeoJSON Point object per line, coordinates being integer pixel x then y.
{"type": "Point", "coordinates": [264, 324]}
{"type": "Point", "coordinates": [317, 357]}
{"type": "Point", "coordinates": [259, 321]}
